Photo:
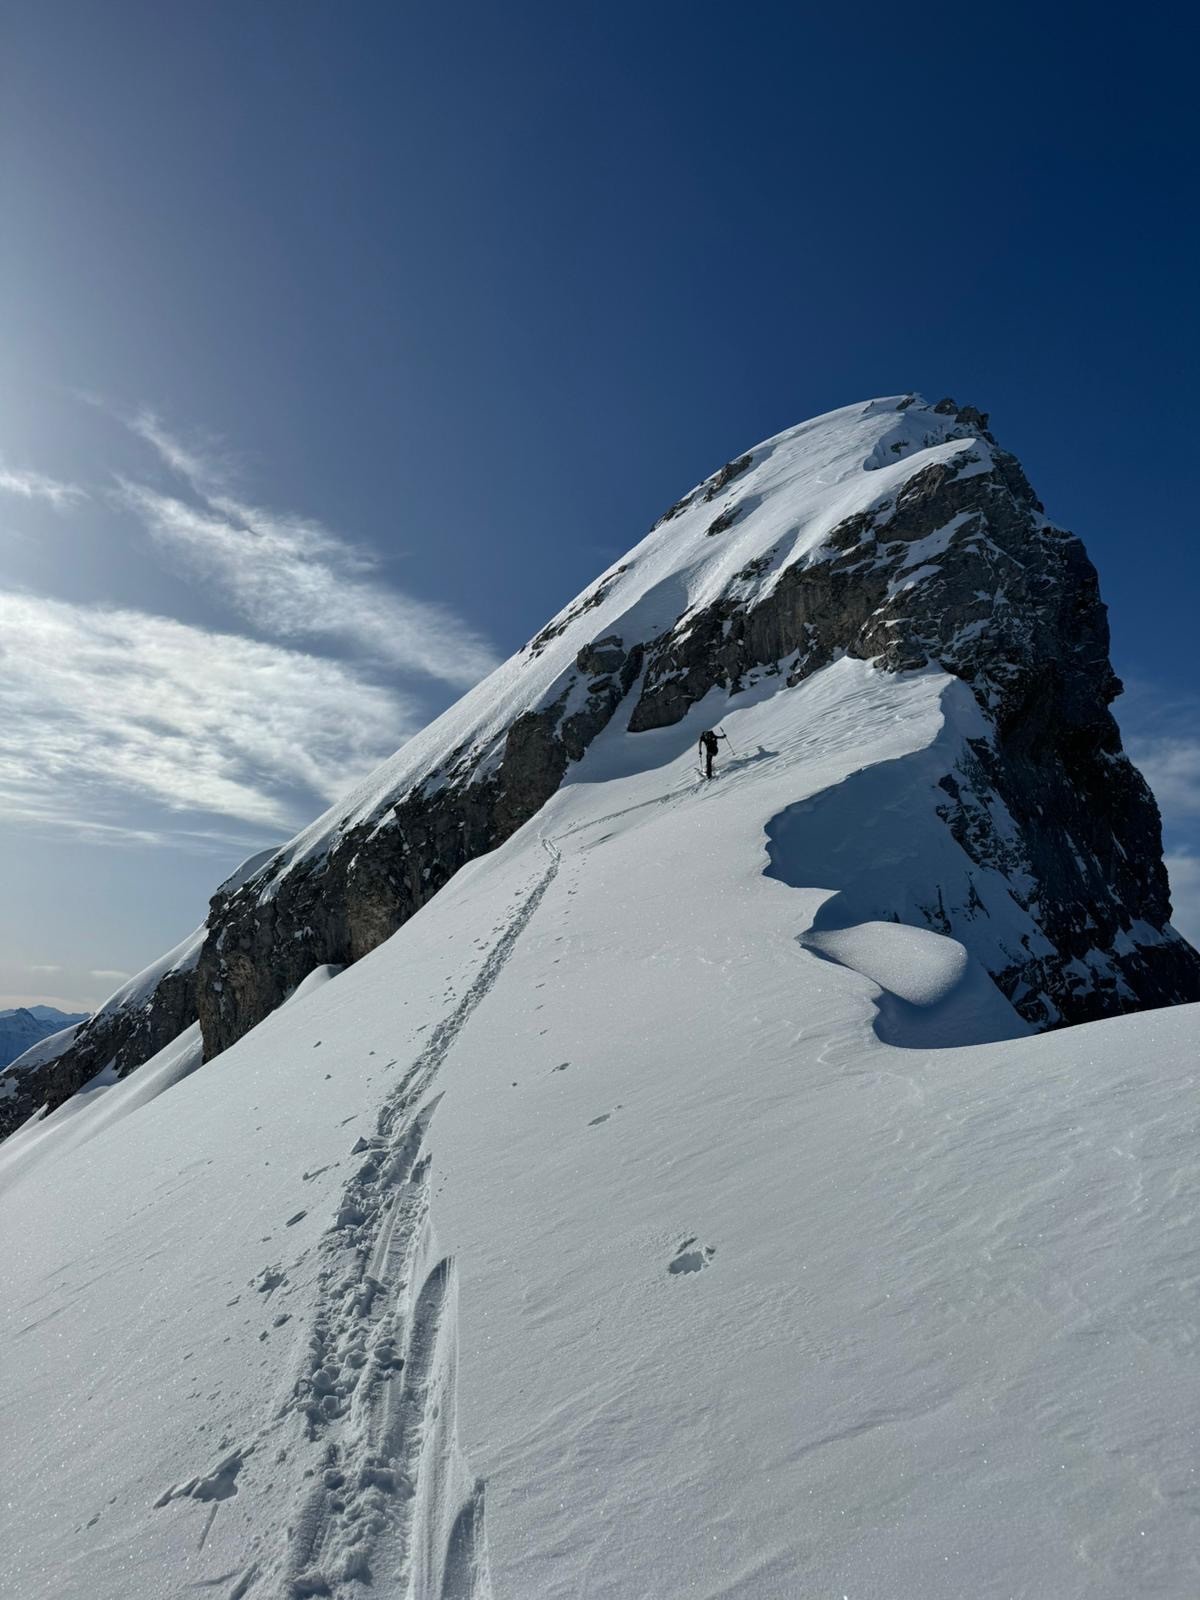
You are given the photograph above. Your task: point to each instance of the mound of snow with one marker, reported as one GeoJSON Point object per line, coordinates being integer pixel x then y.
{"type": "Point", "coordinates": [933, 992]}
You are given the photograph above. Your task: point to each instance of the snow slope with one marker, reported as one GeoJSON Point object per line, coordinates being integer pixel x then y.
{"type": "Point", "coordinates": [82, 1117]}
{"type": "Point", "coordinates": [66, 1128]}
{"type": "Point", "coordinates": [651, 1216]}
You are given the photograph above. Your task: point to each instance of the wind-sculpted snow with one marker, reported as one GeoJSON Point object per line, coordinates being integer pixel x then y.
{"type": "Point", "coordinates": [893, 532]}
{"type": "Point", "coordinates": [933, 993]}
{"type": "Point", "coordinates": [590, 1238]}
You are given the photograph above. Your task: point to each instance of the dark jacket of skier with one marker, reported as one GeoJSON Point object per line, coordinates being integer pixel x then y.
{"type": "Point", "coordinates": [708, 749]}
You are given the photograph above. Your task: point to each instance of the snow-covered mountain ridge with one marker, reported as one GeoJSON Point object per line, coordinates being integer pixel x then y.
{"type": "Point", "coordinates": [892, 531]}
{"type": "Point", "coordinates": [649, 1216]}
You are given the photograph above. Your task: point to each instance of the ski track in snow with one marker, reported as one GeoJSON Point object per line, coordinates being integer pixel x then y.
{"type": "Point", "coordinates": [673, 796]}
{"type": "Point", "coordinates": [390, 1497]}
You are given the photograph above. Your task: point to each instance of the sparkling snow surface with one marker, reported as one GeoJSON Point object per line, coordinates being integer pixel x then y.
{"type": "Point", "coordinates": [701, 1284]}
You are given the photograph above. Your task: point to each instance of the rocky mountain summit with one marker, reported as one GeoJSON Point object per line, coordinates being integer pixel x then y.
{"type": "Point", "coordinates": [893, 531]}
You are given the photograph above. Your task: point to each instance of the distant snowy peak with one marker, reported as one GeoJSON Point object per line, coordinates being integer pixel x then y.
{"type": "Point", "coordinates": [25, 1027]}
{"type": "Point", "coordinates": [893, 531]}
{"type": "Point", "coordinates": [49, 1014]}
{"type": "Point", "coordinates": [60, 1019]}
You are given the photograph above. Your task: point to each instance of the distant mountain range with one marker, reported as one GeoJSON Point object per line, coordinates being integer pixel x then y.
{"type": "Point", "coordinates": [27, 1025]}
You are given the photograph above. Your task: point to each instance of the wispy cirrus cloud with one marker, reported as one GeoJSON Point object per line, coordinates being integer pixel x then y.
{"type": "Point", "coordinates": [29, 485]}
{"type": "Point", "coordinates": [99, 706]}
{"type": "Point", "coordinates": [1163, 740]}
{"type": "Point", "coordinates": [292, 578]}
{"type": "Point", "coordinates": [207, 463]}
{"type": "Point", "coordinates": [115, 724]}
{"type": "Point", "coordinates": [1170, 764]}
{"type": "Point", "coordinates": [1184, 871]}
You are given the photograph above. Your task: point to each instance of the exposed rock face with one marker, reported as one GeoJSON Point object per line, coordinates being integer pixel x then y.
{"type": "Point", "coordinates": [930, 547]}
{"type": "Point", "coordinates": [123, 1038]}
{"type": "Point", "coordinates": [375, 879]}
{"type": "Point", "coordinates": [135, 1023]}
{"type": "Point", "coordinates": [963, 570]}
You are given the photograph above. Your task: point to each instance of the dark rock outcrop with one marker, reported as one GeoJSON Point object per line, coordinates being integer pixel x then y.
{"type": "Point", "coordinates": [340, 907]}
{"type": "Point", "coordinates": [1011, 605]}
{"type": "Point", "coordinates": [122, 1038]}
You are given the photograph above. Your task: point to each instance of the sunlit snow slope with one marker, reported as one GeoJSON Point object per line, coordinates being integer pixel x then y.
{"type": "Point", "coordinates": [651, 1216]}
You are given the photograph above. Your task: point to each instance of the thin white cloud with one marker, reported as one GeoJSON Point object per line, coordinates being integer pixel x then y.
{"type": "Point", "coordinates": [207, 466]}
{"type": "Point", "coordinates": [28, 485]}
{"type": "Point", "coordinates": [101, 708]}
{"type": "Point", "coordinates": [109, 972]}
{"type": "Point", "coordinates": [1171, 766]}
{"type": "Point", "coordinates": [48, 813]}
{"type": "Point", "coordinates": [44, 967]}
{"type": "Point", "coordinates": [1184, 871]}
{"type": "Point", "coordinates": [293, 578]}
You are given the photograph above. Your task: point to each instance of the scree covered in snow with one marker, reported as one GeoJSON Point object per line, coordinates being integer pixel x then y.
{"type": "Point", "coordinates": [649, 1217]}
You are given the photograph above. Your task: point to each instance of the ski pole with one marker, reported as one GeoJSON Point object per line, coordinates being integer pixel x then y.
{"type": "Point", "coordinates": [727, 740]}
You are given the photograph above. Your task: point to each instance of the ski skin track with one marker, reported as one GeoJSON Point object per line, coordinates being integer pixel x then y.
{"type": "Point", "coordinates": [390, 1502]}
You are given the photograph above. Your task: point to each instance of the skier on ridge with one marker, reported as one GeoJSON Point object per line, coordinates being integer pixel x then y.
{"type": "Point", "coordinates": [708, 749]}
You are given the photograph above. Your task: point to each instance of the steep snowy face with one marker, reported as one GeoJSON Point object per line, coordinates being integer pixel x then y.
{"type": "Point", "coordinates": [891, 531]}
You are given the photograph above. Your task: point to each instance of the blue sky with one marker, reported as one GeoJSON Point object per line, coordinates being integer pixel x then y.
{"type": "Point", "coordinates": [439, 307]}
